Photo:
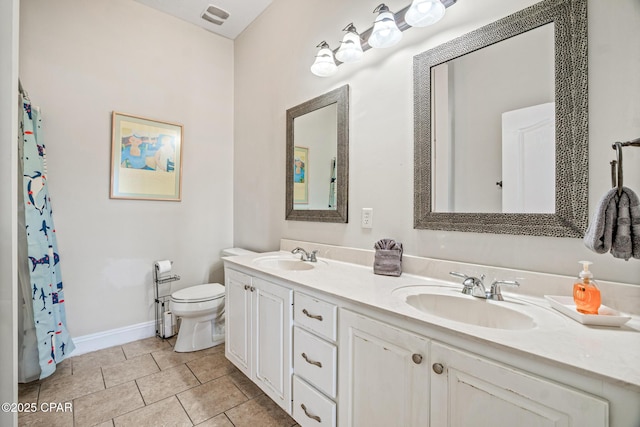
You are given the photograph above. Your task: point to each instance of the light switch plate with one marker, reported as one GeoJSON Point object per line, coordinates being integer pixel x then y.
{"type": "Point", "coordinates": [367, 217]}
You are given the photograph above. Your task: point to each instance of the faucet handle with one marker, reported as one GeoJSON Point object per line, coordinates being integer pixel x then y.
{"type": "Point", "coordinates": [495, 293]}
{"type": "Point", "coordinates": [312, 256]}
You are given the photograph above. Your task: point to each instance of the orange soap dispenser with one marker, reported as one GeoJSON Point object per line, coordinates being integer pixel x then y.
{"type": "Point", "coordinates": [585, 292]}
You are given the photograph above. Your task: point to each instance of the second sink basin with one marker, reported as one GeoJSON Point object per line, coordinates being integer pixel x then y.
{"type": "Point", "coordinates": [470, 310]}
{"type": "Point", "coordinates": [285, 262]}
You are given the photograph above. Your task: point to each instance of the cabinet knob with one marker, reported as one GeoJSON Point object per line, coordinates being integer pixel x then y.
{"type": "Point", "coordinates": [246, 287]}
{"type": "Point", "coordinates": [252, 288]}
{"type": "Point", "coordinates": [438, 368]}
{"type": "Point", "coordinates": [417, 358]}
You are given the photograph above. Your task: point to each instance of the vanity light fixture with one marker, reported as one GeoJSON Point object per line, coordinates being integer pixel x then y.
{"type": "Point", "coordinates": [385, 30]}
{"type": "Point", "coordinates": [325, 64]}
{"type": "Point", "coordinates": [351, 47]}
{"type": "Point", "coordinates": [423, 13]}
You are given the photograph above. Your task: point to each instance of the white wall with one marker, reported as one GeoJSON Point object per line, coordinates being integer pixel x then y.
{"type": "Point", "coordinates": [272, 60]}
{"type": "Point", "coordinates": [81, 60]}
{"type": "Point", "coordinates": [8, 206]}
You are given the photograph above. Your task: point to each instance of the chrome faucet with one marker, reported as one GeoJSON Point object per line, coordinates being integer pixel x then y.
{"type": "Point", "coordinates": [472, 285]}
{"type": "Point", "coordinates": [304, 255]}
{"type": "Point", "coordinates": [495, 293]}
{"type": "Point", "coordinates": [475, 287]}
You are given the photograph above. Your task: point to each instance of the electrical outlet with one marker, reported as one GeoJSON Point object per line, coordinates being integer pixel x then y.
{"type": "Point", "coordinates": [367, 217]}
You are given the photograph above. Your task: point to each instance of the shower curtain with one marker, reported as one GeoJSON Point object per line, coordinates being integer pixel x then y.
{"type": "Point", "coordinates": [44, 336]}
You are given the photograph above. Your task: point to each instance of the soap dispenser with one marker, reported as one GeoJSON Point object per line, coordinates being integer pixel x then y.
{"type": "Point", "coordinates": [585, 292]}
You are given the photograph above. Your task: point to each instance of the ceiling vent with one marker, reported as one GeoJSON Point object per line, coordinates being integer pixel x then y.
{"type": "Point", "coordinates": [215, 15]}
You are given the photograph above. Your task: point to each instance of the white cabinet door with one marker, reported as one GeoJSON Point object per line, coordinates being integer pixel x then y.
{"type": "Point", "coordinates": [383, 374]}
{"type": "Point", "coordinates": [238, 320]}
{"type": "Point", "coordinates": [472, 391]}
{"type": "Point", "coordinates": [272, 314]}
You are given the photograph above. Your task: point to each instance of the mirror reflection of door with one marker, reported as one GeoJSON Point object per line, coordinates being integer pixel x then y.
{"type": "Point", "coordinates": [316, 138]}
{"type": "Point", "coordinates": [470, 94]}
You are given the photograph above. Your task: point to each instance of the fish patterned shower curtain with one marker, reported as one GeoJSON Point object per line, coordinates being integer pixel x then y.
{"type": "Point", "coordinates": [54, 341]}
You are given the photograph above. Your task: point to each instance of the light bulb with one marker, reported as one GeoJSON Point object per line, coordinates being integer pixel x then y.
{"type": "Point", "coordinates": [324, 65]}
{"type": "Point", "coordinates": [385, 31]}
{"type": "Point", "coordinates": [424, 12]}
{"type": "Point", "coordinates": [351, 46]}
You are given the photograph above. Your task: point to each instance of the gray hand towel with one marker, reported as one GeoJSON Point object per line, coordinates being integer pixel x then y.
{"type": "Point", "coordinates": [616, 225]}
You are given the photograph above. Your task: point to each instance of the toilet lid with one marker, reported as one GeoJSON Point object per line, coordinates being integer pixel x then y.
{"type": "Point", "coordinates": [199, 293]}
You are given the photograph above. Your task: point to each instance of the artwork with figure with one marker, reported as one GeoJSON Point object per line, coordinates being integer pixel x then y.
{"type": "Point", "coordinates": [301, 175]}
{"type": "Point", "coordinates": [146, 158]}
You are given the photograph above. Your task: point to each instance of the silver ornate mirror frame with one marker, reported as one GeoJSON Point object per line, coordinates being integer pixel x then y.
{"type": "Point", "coordinates": [340, 97]}
{"type": "Point", "coordinates": [571, 97]}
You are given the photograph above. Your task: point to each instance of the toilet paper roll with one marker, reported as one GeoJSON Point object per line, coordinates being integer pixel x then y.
{"type": "Point", "coordinates": [163, 267]}
{"type": "Point", "coordinates": [168, 324]}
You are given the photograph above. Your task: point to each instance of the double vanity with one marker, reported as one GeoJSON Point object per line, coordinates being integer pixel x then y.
{"type": "Point", "coordinates": [333, 344]}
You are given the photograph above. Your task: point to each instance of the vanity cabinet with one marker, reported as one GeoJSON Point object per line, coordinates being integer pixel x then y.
{"type": "Point", "coordinates": [466, 388]}
{"type": "Point", "coordinates": [383, 374]}
{"type": "Point", "coordinates": [314, 361]}
{"type": "Point", "coordinates": [258, 333]}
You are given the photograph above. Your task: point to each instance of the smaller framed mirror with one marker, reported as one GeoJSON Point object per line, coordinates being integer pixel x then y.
{"type": "Point", "coordinates": [317, 159]}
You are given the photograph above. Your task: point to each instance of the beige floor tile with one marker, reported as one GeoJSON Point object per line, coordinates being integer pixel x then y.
{"type": "Point", "coordinates": [98, 358]}
{"type": "Point", "coordinates": [248, 387]}
{"type": "Point", "coordinates": [28, 393]}
{"type": "Point", "coordinates": [67, 388]}
{"type": "Point", "coordinates": [144, 346]}
{"type": "Point", "coordinates": [106, 404]}
{"type": "Point", "coordinates": [210, 399]}
{"type": "Point", "coordinates": [169, 358]}
{"type": "Point", "coordinates": [46, 419]}
{"type": "Point", "coordinates": [166, 383]}
{"type": "Point", "coordinates": [128, 370]}
{"type": "Point", "coordinates": [260, 411]}
{"type": "Point", "coordinates": [217, 421]}
{"type": "Point", "coordinates": [210, 367]}
{"type": "Point", "coordinates": [166, 412]}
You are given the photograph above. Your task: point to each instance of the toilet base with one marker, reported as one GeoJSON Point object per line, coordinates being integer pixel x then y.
{"type": "Point", "coordinates": [197, 334]}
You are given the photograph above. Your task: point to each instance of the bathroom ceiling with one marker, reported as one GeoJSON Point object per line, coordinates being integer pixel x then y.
{"type": "Point", "coordinates": [240, 13]}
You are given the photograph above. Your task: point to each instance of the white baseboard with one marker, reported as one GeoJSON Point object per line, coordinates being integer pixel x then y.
{"type": "Point", "coordinates": [113, 337]}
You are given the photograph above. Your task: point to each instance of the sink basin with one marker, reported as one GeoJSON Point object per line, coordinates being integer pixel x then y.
{"type": "Point", "coordinates": [474, 311]}
{"type": "Point", "coordinates": [284, 263]}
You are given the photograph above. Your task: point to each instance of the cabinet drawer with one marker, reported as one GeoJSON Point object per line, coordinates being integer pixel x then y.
{"type": "Point", "coordinates": [315, 315]}
{"type": "Point", "coordinates": [315, 360]}
{"type": "Point", "coordinates": [310, 407]}
{"type": "Point", "coordinates": [230, 274]}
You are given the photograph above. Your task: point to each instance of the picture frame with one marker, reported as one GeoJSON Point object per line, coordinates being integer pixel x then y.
{"type": "Point", "coordinates": [146, 158]}
{"type": "Point", "coordinates": [300, 175]}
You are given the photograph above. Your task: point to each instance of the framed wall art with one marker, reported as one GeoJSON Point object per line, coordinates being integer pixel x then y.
{"type": "Point", "coordinates": [146, 158]}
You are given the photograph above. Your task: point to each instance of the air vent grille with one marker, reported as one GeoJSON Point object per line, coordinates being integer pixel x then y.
{"type": "Point", "coordinates": [215, 15]}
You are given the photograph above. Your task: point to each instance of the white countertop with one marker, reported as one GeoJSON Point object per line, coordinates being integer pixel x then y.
{"type": "Point", "coordinates": [609, 352]}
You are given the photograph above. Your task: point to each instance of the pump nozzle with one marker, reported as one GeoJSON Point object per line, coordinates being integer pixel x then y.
{"type": "Point", "coordinates": [585, 273]}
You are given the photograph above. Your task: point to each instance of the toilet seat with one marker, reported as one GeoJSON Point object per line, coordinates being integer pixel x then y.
{"type": "Point", "coordinates": [199, 293]}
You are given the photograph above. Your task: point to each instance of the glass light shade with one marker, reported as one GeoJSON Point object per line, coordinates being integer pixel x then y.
{"type": "Point", "coordinates": [350, 49]}
{"type": "Point", "coordinates": [424, 12]}
{"type": "Point", "coordinates": [324, 65]}
{"type": "Point", "coordinates": [385, 31]}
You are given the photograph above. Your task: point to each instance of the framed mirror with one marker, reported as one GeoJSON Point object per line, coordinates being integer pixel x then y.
{"type": "Point", "coordinates": [317, 160]}
{"type": "Point", "coordinates": [500, 121]}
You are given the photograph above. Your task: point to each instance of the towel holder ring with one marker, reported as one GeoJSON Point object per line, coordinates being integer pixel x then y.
{"type": "Point", "coordinates": [617, 181]}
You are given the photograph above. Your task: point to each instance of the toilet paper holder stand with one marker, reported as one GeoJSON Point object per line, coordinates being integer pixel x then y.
{"type": "Point", "coordinates": [164, 324]}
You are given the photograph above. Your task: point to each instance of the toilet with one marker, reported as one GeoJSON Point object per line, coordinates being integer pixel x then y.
{"type": "Point", "coordinates": [201, 309]}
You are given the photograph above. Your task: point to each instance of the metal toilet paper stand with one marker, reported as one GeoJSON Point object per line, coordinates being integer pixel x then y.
{"type": "Point", "coordinates": [162, 303]}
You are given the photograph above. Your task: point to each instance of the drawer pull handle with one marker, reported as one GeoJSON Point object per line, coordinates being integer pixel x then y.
{"type": "Point", "coordinates": [438, 368]}
{"type": "Point", "coordinates": [313, 316]}
{"type": "Point", "coordinates": [313, 417]}
{"type": "Point", "coordinates": [311, 362]}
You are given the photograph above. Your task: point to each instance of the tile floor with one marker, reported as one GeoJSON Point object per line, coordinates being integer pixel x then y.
{"type": "Point", "coordinates": [146, 383]}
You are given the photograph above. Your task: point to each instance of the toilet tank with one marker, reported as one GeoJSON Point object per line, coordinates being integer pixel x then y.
{"type": "Point", "coordinates": [236, 251]}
